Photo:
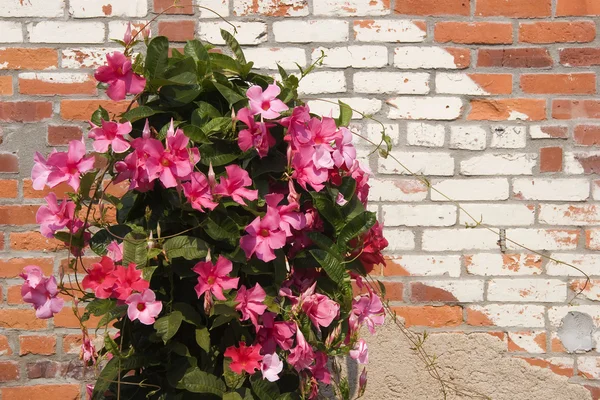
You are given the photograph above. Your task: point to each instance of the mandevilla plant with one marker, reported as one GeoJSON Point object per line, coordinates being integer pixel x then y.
{"type": "Point", "coordinates": [227, 270]}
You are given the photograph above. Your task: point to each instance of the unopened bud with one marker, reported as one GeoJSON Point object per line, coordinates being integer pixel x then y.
{"type": "Point", "coordinates": [147, 33]}
{"type": "Point", "coordinates": [127, 37]}
{"type": "Point", "coordinates": [150, 241]}
{"type": "Point", "coordinates": [212, 180]}
{"type": "Point", "coordinates": [333, 336]}
{"type": "Point", "coordinates": [362, 382]}
{"type": "Point", "coordinates": [158, 230]}
{"type": "Point", "coordinates": [146, 131]}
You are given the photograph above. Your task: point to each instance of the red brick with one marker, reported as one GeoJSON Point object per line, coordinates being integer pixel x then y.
{"type": "Point", "coordinates": [6, 87]}
{"type": "Point", "coordinates": [34, 241]}
{"type": "Point", "coordinates": [42, 369]}
{"type": "Point", "coordinates": [12, 267]}
{"type": "Point", "coordinates": [29, 192]}
{"type": "Point", "coordinates": [514, 58]}
{"type": "Point", "coordinates": [555, 131]}
{"type": "Point", "coordinates": [9, 371]}
{"type": "Point", "coordinates": [568, 8]}
{"type": "Point", "coordinates": [573, 109]}
{"type": "Point", "coordinates": [420, 292]}
{"type": "Point", "coordinates": [551, 159]}
{"type": "Point", "coordinates": [433, 7]}
{"type": "Point", "coordinates": [493, 83]}
{"type": "Point", "coordinates": [5, 349]}
{"type": "Point", "coordinates": [183, 7]}
{"type": "Point", "coordinates": [9, 163]}
{"type": "Point", "coordinates": [502, 109]}
{"type": "Point", "coordinates": [17, 215]}
{"type": "Point", "coordinates": [8, 188]}
{"type": "Point", "coordinates": [25, 111]}
{"type": "Point", "coordinates": [35, 59]}
{"type": "Point", "coordinates": [587, 135]}
{"type": "Point", "coordinates": [49, 392]}
{"type": "Point", "coordinates": [13, 295]}
{"type": "Point", "coordinates": [584, 83]}
{"type": "Point", "coordinates": [580, 56]}
{"type": "Point", "coordinates": [82, 110]}
{"type": "Point", "coordinates": [557, 369]}
{"type": "Point", "coordinates": [443, 316]}
{"type": "Point", "coordinates": [20, 319]}
{"type": "Point", "coordinates": [513, 8]}
{"type": "Point", "coordinates": [473, 32]}
{"type": "Point", "coordinates": [177, 31]}
{"type": "Point", "coordinates": [60, 135]}
{"type": "Point", "coordinates": [45, 88]}
{"type": "Point", "coordinates": [557, 32]}
{"type": "Point", "coordinates": [67, 319]}
{"type": "Point", "coordinates": [41, 345]}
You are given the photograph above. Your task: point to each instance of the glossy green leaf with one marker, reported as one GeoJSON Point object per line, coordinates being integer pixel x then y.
{"type": "Point", "coordinates": [135, 249]}
{"type": "Point", "coordinates": [157, 57]}
{"type": "Point", "coordinates": [358, 225]}
{"type": "Point", "coordinates": [203, 339]}
{"type": "Point", "coordinates": [198, 381]}
{"type": "Point", "coordinates": [264, 390]}
{"type": "Point", "coordinates": [196, 134]}
{"type": "Point", "coordinates": [138, 113]}
{"type": "Point", "coordinates": [229, 94]}
{"type": "Point", "coordinates": [345, 114]}
{"type": "Point", "coordinates": [167, 326]}
{"type": "Point", "coordinates": [332, 266]}
{"type": "Point", "coordinates": [196, 50]}
{"type": "Point", "coordinates": [188, 247]}
{"type": "Point", "coordinates": [99, 115]}
{"type": "Point", "coordinates": [233, 44]}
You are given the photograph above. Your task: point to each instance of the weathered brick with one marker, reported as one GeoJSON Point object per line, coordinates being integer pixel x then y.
{"type": "Point", "coordinates": [351, 7]}
{"type": "Point", "coordinates": [513, 8]}
{"type": "Point", "coordinates": [463, 291]}
{"type": "Point", "coordinates": [470, 189]}
{"type": "Point", "coordinates": [458, 239]}
{"type": "Point", "coordinates": [28, 58]}
{"type": "Point", "coordinates": [583, 83]}
{"type": "Point", "coordinates": [20, 319]}
{"type": "Point", "coordinates": [313, 83]}
{"type": "Point", "coordinates": [431, 108]}
{"type": "Point", "coordinates": [41, 345]}
{"type": "Point", "coordinates": [527, 290]}
{"type": "Point", "coordinates": [473, 84]}
{"type": "Point", "coordinates": [8, 188]}
{"type": "Point", "coordinates": [107, 8]}
{"type": "Point", "coordinates": [48, 391]}
{"type": "Point", "coordinates": [557, 32]}
{"type": "Point", "coordinates": [496, 264]}
{"type": "Point", "coordinates": [391, 82]}
{"type": "Point", "coordinates": [473, 32]}
{"type": "Point", "coordinates": [33, 8]}
{"type": "Point", "coordinates": [432, 7]}
{"type": "Point", "coordinates": [551, 189]}
{"type": "Point", "coordinates": [587, 135]}
{"type": "Point", "coordinates": [580, 57]}
{"type": "Point", "coordinates": [419, 215]}
{"type": "Point", "coordinates": [497, 215]}
{"type": "Point", "coordinates": [271, 8]}
{"type": "Point", "coordinates": [381, 30]}
{"type": "Point", "coordinates": [468, 137]}
{"type": "Point", "coordinates": [11, 32]}
{"type": "Point", "coordinates": [424, 134]}
{"type": "Point", "coordinates": [52, 84]}
{"type": "Point", "coordinates": [248, 33]}
{"type": "Point", "coordinates": [182, 7]}
{"type": "Point", "coordinates": [365, 56]}
{"type": "Point", "coordinates": [569, 214]}
{"type": "Point", "coordinates": [25, 111]}
{"type": "Point", "coordinates": [543, 239]}
{"type": "Point", "coordinates": [268, 58]}
{"type": "Point", "coordinates": [397, 190]}
{"type": "Point", "coordinates": [509, 315]}
{"type": "Point", "coordinates": [491, 163]}
{"type": "Point", "coordinates": [423, 265]}
{"type": "Point", "coordinates": [568, 8]}
{"type": "Point", "coordinates": [508, 137]}
{"type": "Point", "coordinates": [82, 109]}
{"type": "Point", "coordinates": [443, 316]}
{"type": "Point", "coordinates": [548, 132]}
{"type": "Point", "coordinates": [507, 109]}
{"type": "Point", "coordinates": [575, 109]}
{"type": "Point", "coordinates": [9, 371]}
{"type": "Point", "coordinates": [527, 342]}
{"type": "Point", "coordinates": [307, 31]}
{"type": "Point", "coordinates": [410, 57]}
{"type": "Point", "coordinates": [514, 58]}
{"type": "Point", "coordinates": [6, 85]}
{"type": "Point", "coordinates": [428, 163]}
{"type": "Point", "coordinates": [66, 32]}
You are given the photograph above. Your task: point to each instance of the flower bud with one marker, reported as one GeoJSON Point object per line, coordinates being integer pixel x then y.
{"type": "Point", "coordinates": [333, 336]}
{"type": "Point", "coordinates": [212, 180]}
{"type": "Point", "coordinates": [150, 241]}
{"type": "Point", "coordinates": [146, 131]}
{"type": "Point", "coordinates": [147, 33]}
{"type": "Point", "coordinates": [362, 382]}
{"type": "Point", "coordinates": [127, 37]}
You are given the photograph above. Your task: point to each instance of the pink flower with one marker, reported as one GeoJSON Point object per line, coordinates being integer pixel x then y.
{"type": "Point", "coordinates": [235, 184]}
{"type": "Point", "coordinates": [362, 382]}
{"type": "Point", "coordinates": [41, 170]}
{"type": "Point", "coordinates": [111, 134]}
{"type": "Point", "coordinates": [256, 136]}
{"type": "Point", "coordinates": [89, 391]}
{"type": "Point", "coordinates": [88, 351]}
{"type": "Point", "coordinates": [40, 291]}
{"type": "Point", "coordinates": [213, 278]}
{"type": "Point", "coordinates": [289, 217]}
{"type": "Point", "coordinates": [265, 103]}
{"type": "Point", "coordinates": [62, 167]}
{"type": "Point", "coordinates": [360, 352]}
{"type": "Point", "coordinates": [344, 153]}
{"type": "Point", "coordinates": [54, 217]}
{"type": "Point", "coordinates": [264, 236]}
{"type": "Point", "coordinates": [244, 358]}
{"type": "Point", "coordinates": [100, 278]}
{"type": "Point", "coordinates": [271, 367]}
{"type": "Point", "coordinates": [301, 356]}
{"type": "Point", "coordinates": [361, 172]}
{"type": "Point", "coordinates": [275, 333]}
{"type": "Point", "coordinates": [143, 306]}
{"type": "Point", "coordinates": [307, 173]}
{"type": "Point", "coordinates": [251, 303]}
{"type": "Point", "coordinates": [320, 370]}
{"type": "Point", "coordinates": [296, 124]}
{"type": "Point", "coordinates": [367, 309]}
{"type": "Point", "coordinates": [119, 76]}
{"type": "Point", "coordinates": [198, 192]}
{"type": "Point", "coordinates": [373, 244]}
{"type": "Point", "coordinates": [128, 280]}
{"type": "Point", "coordinates": [115, 251]}
{"type": "Point", "coordinates": [320, 309]}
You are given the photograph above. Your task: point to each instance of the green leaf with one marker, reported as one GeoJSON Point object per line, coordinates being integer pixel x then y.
{"type": "Point", "coordinates": [345, 114]}
{"type": "Point", "coordinates": [233, 45]}
{"type": "Point", "coordinates": [232, 380]}
{"type": "Point", "coordinates": [225, 63]}
{"type": "Point", "coordinates": [198, 381]}
{"type": "Point", "coordinates": [112, 369]}
{"type": "Point", "coordinates": [196, 50]}
{"type": "Point", "coordinates": [135, 249]}
{"type": "Point", "coordinates": [179, 96]}
{"type": "Point", "coordinates": [190, 315]}
{"type": "Point", "coordinates": [103, 238]}
{"type": "Point", "coordinates": [232, 396]}
{"type": "Point", "coordinates": [85, 186]}
{"type": "Point", "coordinates": [324, 242]}
{"type": "Point", "coordinates": [332, 266]}
{"type": "Point", "coordinates": [117, 312]}
{"type": "Point", "coordinates": [328, 210]}
{"type": "Point", "coordinates": [358, 225]}
{"type": "Point", "coordinates": [229, 94]}
{"type": "Point", "coordinates": [203, 339]}
{"type": "Point", "coordinates": [382, 289]}
{"type": "Point", "coordinates": [188, 247]}
{"type": "Point", "coordinates": [282, 72]}
{"type": "Point", "coordinates": [196, 134]}
{"type": "Point", "coordinates": [220, 124]}
{"type": "Point", "coordinates": [157, 57]}
{"type": "Point", "coordinates": [141, 112]}
{"type": "Point", "coordinates": [218, 155]}
{"type": "Point", "coordinates": [167, 326]}
{"type": "Point", "coordinates": [221, 227]}
{"type": "Point", "coordinates": [264, 389]}
{"type": "Point", "coordinates": [99, 115]}
{"type": "Point", "coordinates": [100, 307]}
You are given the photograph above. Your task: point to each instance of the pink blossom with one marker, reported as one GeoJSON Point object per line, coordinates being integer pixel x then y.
{"type": "Point", "coordinates": [265, 103]}
{"type": "Point", "coordinates": [362, 382]}
{"type": "Point", "coordinates": [143, 307]}
{"type": "Point", "coordinates": [275, 333]}
{"type": "Point", "coordinates": [120, 77]}
{"type": "Point", "coordinates": [367, 309]}
{"type": "Point", "coordinates": [133, 167]}
{"type": "Point", "coordinates": [244, 358]}
{"type": "Point", "coordinates": [289, 217]}
{"type": "Point", "coordinates": [88, 351]}
{"type": "Point", "coordinates": [301, 356]}
{"type": "Point", "coordinates": [320, 309]}
{"type": "Point", "coordinates": [41, 170]}
{"type": "Point", "coordinates": [340, 200]}
{"type": "Point", "coordinates": [127, 280]}
{"type": "Point", "coordinates": [296, 124]}
{"type": "Point", "coordinates": [320, 370]}
{"type": "Point", "coordinates": [344, 153]}
{"type": "Point", "coordinates": [40, 291]}
{"type": "Point", "coordinates": [361, 172]}
{"type": "Point", "coordinates": [256, 136]}
{"type": "Point", "coordinates": [307, 173]}
{"type": "Point", "coordinates": [251, 303]}
{"type": "Point", "coordinates": [271, 367]}
{"type": "Point", "coordinates": [360, 352]}
{"type": "Point", "coordinates": [372, 244]}
{"type": "Point", "coordinates": [100, 278]}
{"type": "Point", "coordinates": [115, 251]}
{"type": "Point", "coordinates": [111, 134]}
{"type": "Point", "coordinates": [235, 184]}
{"type": "Point", "coordinates": [213, 277]}
{"type": "Point", "coordinates": [89, 391]}
{"type": "Point", "coordinates": [198, 192]}
{"type": "Point", "coordinates": [53, 217]}
{"type": "Point", "coordinates": [264, 236]}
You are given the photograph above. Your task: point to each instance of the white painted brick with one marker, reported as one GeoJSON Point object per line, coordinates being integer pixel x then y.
{"type": "Point", "coordinates": [596, 190]}
{"type": "Point", "coordinates": [248, 33]}
{"type": "Point", "coordinates": [589, 263]}
{"type": "Point", "coordinates": [391, 82]}
{"type": "Point", "coordinates": [11, 32]}
{"type": "Point", "coordinates": [556, 314]}
{"type": "Point", "coordinates": [422, 134]}
{"type": "Point", "coordinates": [458, 239]}
{"type": "Point", "coordinates": [419, 215]}
{"type": "Point", "coordinates": [220, 7]}
{"type": "Point", "coordinates": [530, 341]}
{"type": "Point", "coordinates": [433, 108]}
{"type": "Point", "coordinates": [468, 137]}
{"type": "Point", "coordinates": [85, 57]}
{"type": "Point", "coordinates": [589, 366]}
{"type": "Point", "coordinates": [542, 239]}
{"type": "Point", "coordinates": [311, 31]}
{"type": "Point", "coordinates": [496, 164]}
{"type": "Point", "coordinates": [374, 132]}
{"type": "Point", "coordinates": [353, 56]}
{"type": "Point", "coordinates": [463, 291]}
{"type": "Point", "coordinates": [268, 58]}
{"type": "Point", "coordinates": [327, 108]}
{"type": "Point", "coordinates": [397, 190]}
{"type": "Point", "coordinates": [572, 161]}
{"type": "Point", "coordinates": [108, 8]}
{"type": "Point", "coordinates": [56, 77]}
{"type": "Point", "coordinates": [569, 214]}
{"type": "Point", "coordinates": [527, 290]}
{"type": "Point", "coordinates": [424, 163]}
{"type": "Point", "coordinates": [584, 289]}
{"type": "Point", "coordinates": [498, 215]}
{"type": "Point", "coordinates": [509, 315]}
{"type": "Point", "coordinates": [323, 82]}
{"type": "Point", "coordinates": [382, 30]}
{"type": "Point", "coordinates": [116, 29]}
{"type": "Point", "coordinates": [66, 32]}
{"type": "Point", "coordinates": [411, 57]}
{"type": "Point", "coordinates": [32, 8]}
{"type": "Point", "coordinates": [508, 137]}
{"type": "Point", "coordinates": [344, 8]}
{"type": "Point", "coordinates": [537, 132]}
{"type": "Point", "coordinates": [424, 265]}
{"type": "Point", "coordinates": [279, 8]}
{"type": "Point", "coordinates": [471, 189]}
{"type": "Point", "coordinates": [497, 264]}
{"type": "Point", "coordinates": [551, 189]}
{"type": "Point", "coordinates": [457, 83]}
{"type": "Point", "coordinates": [399, 239]}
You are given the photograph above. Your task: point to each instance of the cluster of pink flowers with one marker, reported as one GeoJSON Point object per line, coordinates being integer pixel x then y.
{"type": "Point", "coordinates": [120, 77]}
{"type": "Point", "coordinates": [41, 291]}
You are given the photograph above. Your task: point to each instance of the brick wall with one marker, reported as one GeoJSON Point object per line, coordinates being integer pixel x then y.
{"type": "Point", "coordinates": [495, 101]}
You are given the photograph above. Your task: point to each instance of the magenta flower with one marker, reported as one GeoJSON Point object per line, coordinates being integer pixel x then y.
{"type": "Point", "coordinates": [88, 351]}
{"type": "Point", "coordinates": [288, 214]}
{"type": "Point", "coordinates": [115, 251]}
{"type": "Point", "coordinates": [360, 352]}
{"type": "Point", "coordinates": [320, 370]}
{"type": "Point", "coordinates": [143, 307]}
{"type": "Point", "coordinates": [244, 358]}
{"type": "Point", "coordinates": [271, 367]}
{"type": "Point", "coordinates": [307, 173]}
{"type": "Point", "coordinates": [256, 136]}
{"type": "Point", "coordinates": [213, 277]}
{"type": "Point", "coordinates": [344, 152]}
{"type": "Point", "coordinates": [127, 280]}
{"type": "Point", "coordinates": [275, 333]}
{"type": "Point", "coordinates": [53, 217]}
{"type": "Point", "coordinates": [89, 391]}
{"type": "Point", "coordinates": [40, 291]}
{"type": "Point", "coordinates": [296, 124]}
{"type": "Point", "coordinates": [265, 103]}
{"type": "Point", "coordinates": [197, 191]}
{"type": "Point", "coordinates": [367, 309]}
{"type": "Point", "coordinates": [100, 278]}
{"type": "Point", "coordinates": [120, 77]}
{"type": "Point", "coordinates": [264, 236]}
{"type": "Point", "coordinates": [235, 184]}
{"type": "Point", "coordinates": [301, 356]}
{"type": "Point", "coordinates": [319, 308]}
{"type": "Point", "coordinates": [251, 303]}
{"type": "Point", "coordinates": [111, 134]}
{"type": "Point", "coordinates": [41, 170]}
